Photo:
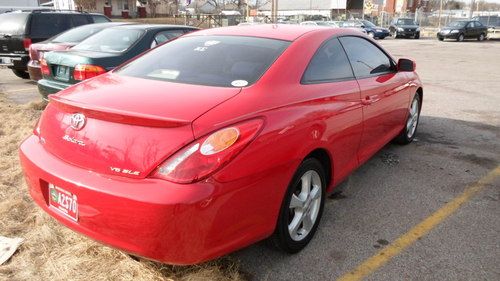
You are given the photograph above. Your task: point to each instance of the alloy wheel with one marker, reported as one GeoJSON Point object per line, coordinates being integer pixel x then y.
{"type": "Point", "coordinates": [411, 124]}
{"type": "Point", "coordinates": [305, 205]}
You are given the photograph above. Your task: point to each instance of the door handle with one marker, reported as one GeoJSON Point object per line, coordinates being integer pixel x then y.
{"type": "Point", "coordinates": [370, 99]}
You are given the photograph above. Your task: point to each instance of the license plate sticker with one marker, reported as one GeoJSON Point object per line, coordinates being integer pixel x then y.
{"type": "Point", "coordinates": [64, 202]}
{"type": "Point", "coordinates": [62, 73]}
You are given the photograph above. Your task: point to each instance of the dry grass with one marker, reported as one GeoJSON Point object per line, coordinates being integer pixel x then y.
{"type": "Point", "coordinates": [52, 252]}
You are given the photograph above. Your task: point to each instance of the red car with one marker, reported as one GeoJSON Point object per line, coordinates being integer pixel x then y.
{"type": "Point", "coordinates": [219, 139]}
{"type": "Point", "coordinates": [61, 42]}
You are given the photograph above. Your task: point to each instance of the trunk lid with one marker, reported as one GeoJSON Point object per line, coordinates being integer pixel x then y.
{"type": "Point", "coordinates": [131, 124]}
{"type": "Point", "coordinates": [37, 50]}
{"type": "Point", "coordinates": [62, 63]}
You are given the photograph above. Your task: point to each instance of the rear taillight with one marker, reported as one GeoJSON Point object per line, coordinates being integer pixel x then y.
{"type": "Point", "coordinates": [206, 155]}
{"type": "Point", "coordinates": [26, 43]}
{"type": "Point", "coordinates": [86, 71]}
{"type": "Point", "coordinates": [44, 67]}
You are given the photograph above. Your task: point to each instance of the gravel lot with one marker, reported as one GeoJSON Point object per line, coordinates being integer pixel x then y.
{"type": "Point", "coordinates": [457, 144]}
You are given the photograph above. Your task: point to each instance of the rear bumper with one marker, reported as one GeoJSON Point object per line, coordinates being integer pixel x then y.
{"type": "Point", "coordinates": [152, 218]}
{"type": "Point", "coordinates": [47, 87]}
{"type": "Point", "coordinates": [34, 70]}
{"type": "Point", "coordinates": [18, 61]}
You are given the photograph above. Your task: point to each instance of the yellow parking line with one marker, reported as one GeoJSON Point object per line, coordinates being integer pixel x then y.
{"type": "Point", "coordinates": [383, 256]}
{"type": "Point", "coordinates": [18, 90]}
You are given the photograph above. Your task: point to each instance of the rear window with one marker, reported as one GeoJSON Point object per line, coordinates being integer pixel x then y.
{"type": "Point", "coordinates": [13, 23]}
{"type": "Point", "coordinates": [226, 61]}
{"type": "Point", "coordinates": [110, 40]}
{"type": "Point", "coordinates": [77, 34]}
{"type": "Point", "coordinates": [45, 25]}
{"type": "Point", "coordinates": [99, 19]}
{"type": "Point", "coordinates": [406, 22]}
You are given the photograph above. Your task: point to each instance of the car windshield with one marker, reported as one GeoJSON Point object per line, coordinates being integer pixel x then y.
{"type": "Point", "coordinates": [226, 61]}
{"type": "Point", "coordinates": [78, 34]}
{"type": "Point", "coordinates": [110, 40]}
{"type": "Point", "coordinates": [406, 22]}
{"type": "Point", "coordinates": [458, 24]}
{"type": "Point", "coordinates": [13, 23]}
{"type": "Point", "coordinates": [368, 24]}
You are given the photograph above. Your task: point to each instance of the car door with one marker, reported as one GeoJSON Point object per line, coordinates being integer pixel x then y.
{"type": "Point", "coordinates": [384, 93]}
{"type": "Point", "coordinates": [470, 31]}
{"type": "Point", "coordinates": [330, 80]}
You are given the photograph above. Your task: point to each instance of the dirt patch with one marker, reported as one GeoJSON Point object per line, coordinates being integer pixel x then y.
{"type": "Point", "coordinates": [51, 251]}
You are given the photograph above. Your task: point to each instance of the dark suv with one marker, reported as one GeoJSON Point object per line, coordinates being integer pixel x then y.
{"type": "Point", "coordinates": [21, 28]}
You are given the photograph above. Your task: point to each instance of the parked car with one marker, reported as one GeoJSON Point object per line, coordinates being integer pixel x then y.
{"type": "Point", "coordinates": [60, 42]}
{"type": "Point", "coordinates": [219, 139]}
{"type": "Point", "coordinates": [371, 29]}
{"type": "Point", "coordinates": [463, 29]}
{"type": "Point", "coordinates": [405, 27]}
{"type": "Point", "coordinates": [352, 26]}
{"type": "Point", "coordinates": [102, 52]}
{"type": "Point", "coordinates": [19, 29]}
{"type": "Point", "coordinates": [489, 21]}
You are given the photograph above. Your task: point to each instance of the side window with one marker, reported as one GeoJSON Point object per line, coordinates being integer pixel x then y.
{"type": "Point", "coordinates": [164, 36]}
{"type": "Point", "coordinates": [45, 25]}
{"type": "Point", "coordinates": [478, 24]}
{"type": "Point", "coordinates": [366, 59]}
{"type": "Point", "coordinates": [470, 25]}
{"type": "Point", "coordinates": [79, 20]}
{"type": "Point", "coordinates": [99, 19]}
{"type": "Point", "coordinates": [328, 64]}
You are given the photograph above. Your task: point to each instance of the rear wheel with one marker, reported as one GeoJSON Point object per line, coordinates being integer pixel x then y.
{"type": "Point", "coordinates": [460, 37]}
{"type": "Point", "coordinates": [408, 133]}
{"type": "Point", "coordinates": [481, 37]}
{"type": "Point", "coordinates": [301, 208]}
{"type": "Point", "coordinates": [21, 74]}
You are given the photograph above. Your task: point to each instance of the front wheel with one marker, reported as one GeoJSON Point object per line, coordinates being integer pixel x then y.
{"type": "Point", "coordinates": [440, 38]}
{"type": "Point", "coordinates": [371, 34]}
{"type": "Point", "coordinates": [417, 36]}
{"type": "Point", "coordinates": [460, 38]}
{"type": "Point", "coordinates": [301, 208]}
{"type": "Point", "coordinates": [408, 133]}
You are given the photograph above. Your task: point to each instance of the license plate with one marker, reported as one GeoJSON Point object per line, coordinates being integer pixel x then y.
{"type": "Point", "coordinates": [62, 73]}
{"type": "Point", "coordinates": [5, 61]}
{"type": "Point", "coordinates": [63, 201]}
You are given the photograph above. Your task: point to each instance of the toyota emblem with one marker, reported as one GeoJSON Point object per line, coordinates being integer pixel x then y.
{"type": "Point", "coordinates": [77, 121]}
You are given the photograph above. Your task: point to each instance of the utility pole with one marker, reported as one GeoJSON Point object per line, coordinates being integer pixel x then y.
{"type": "Point", "coordinates": [440, 10]}
{"type": "Point", "coordinates": [471, 9]}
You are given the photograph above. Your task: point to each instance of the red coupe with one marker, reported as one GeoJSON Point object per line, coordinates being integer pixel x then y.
{"type": "Point", "coordinates": [219, 139]}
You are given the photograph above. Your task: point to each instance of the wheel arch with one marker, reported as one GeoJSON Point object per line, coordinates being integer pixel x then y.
{"type": "Point", "coordinates": [325, 158]}
{"type": "Point", "coordinates": [420, 93]}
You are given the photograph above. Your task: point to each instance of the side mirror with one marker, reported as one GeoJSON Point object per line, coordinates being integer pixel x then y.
{"type": "Point", "coordinates": [406, 65]}
{"type": "Point", "coordinates": [362, 26]}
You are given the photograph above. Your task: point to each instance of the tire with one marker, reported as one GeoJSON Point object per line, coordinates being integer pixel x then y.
{"type": "Point", "coordinates": [292, 241]}
{"type": "Point", "coordinates": [21, 74]}
{"type": "Point", "coordinates": [440, 39]}
{"type": "Point", "coordinates": [410, 129]}
{"type": "Point", "coordinates": [460, 37]}
{"type": "Point", "coordinates": [481, 37]}
{"type": "Point", "coordinates": [417, 36]}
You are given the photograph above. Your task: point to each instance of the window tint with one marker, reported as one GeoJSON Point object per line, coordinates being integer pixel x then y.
{"type": "Point", "coordinates": [79, 20]}
{"type": "Point", "coordinates": [46, 25]}
{"type": "Point", "coordinates": [226, 61]}
{"type": "Point", "coordinates": [13, 23]}
{"type": "Point", "coordinates": [111, 40]}
{"type": "Point", "coordinates": [366, 59]}
{"type": "Point", "coordinates": [99, 19]}
{"type": "Point", "coordinates": [329, 63]}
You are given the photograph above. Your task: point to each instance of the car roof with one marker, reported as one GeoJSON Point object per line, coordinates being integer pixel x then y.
{"type": "Point", "coordinates": [153, 26]}
{"type": "Point", "coordinates": [287, 32]}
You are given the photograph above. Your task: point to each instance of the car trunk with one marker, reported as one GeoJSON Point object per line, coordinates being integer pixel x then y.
{"type": "Point", "coordinates": [130, 128]}
{"type": "Point", "coordinates": [12, 32]}
{"type": "Point", "coordinates": [37, 50]}
{"type": "Point", "coordinates": [62, 63]}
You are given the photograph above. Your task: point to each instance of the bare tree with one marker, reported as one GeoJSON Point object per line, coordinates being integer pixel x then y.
{"type": "Point", "coordinates": [87, 5]}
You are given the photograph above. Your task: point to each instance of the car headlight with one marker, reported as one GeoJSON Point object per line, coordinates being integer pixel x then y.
{"type": "Point", "coordinates": [400, 29]}
{"type": "Point", "coordinates": [454, 31]}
